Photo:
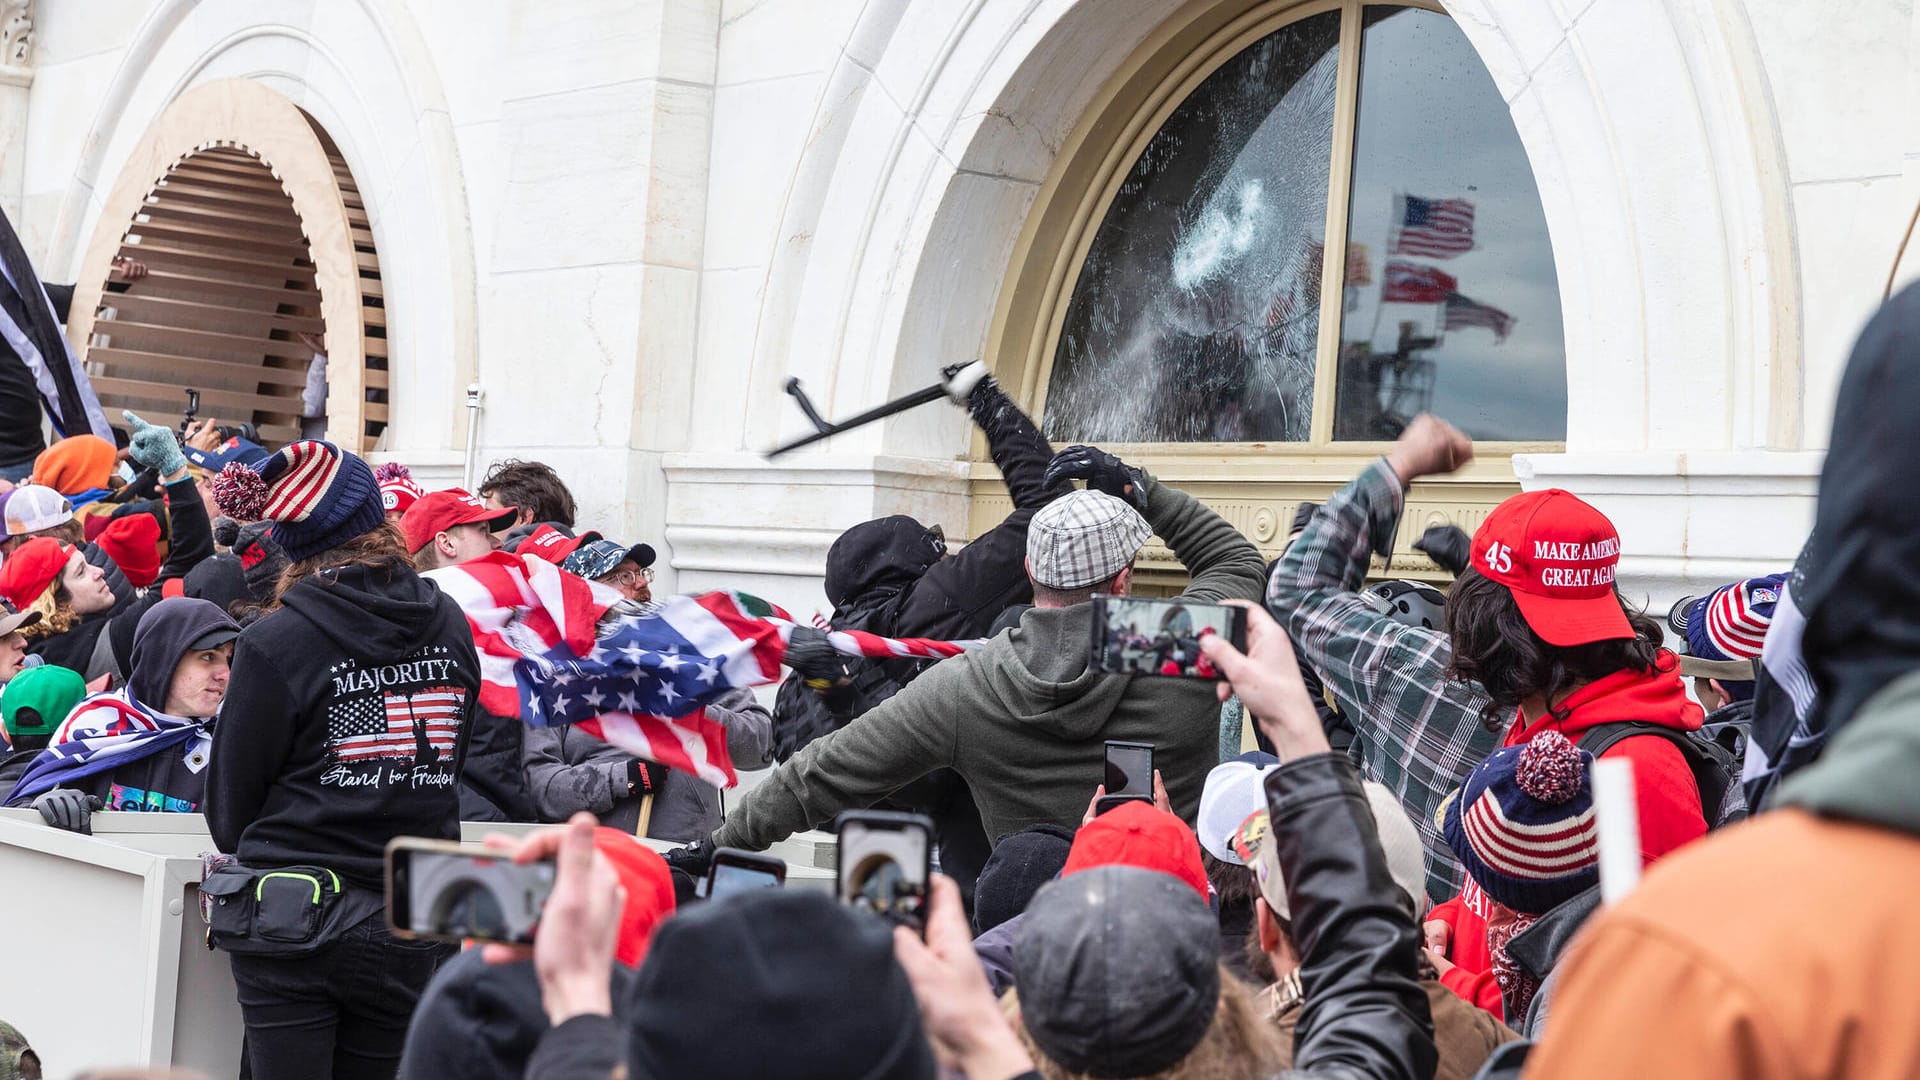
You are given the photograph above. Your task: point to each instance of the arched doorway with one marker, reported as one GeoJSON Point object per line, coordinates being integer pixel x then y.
{"type": "Point", "coordinates": [254, 234]}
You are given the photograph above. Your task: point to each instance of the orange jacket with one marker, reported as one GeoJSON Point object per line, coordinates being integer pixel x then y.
{"type": "Point", "coordinates": [1784, 947]}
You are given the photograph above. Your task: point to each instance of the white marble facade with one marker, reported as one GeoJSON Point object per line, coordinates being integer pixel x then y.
{"type": "Point", "coordinates": [631, 220]}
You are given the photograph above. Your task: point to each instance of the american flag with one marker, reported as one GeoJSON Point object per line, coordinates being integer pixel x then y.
{"type": "Point", "coordinates": [1411, 283]}
{"type": "Point", "coordinates": [1463, 312]}
{"type": "Point", "coordinates": [639, 680]}
{"type": "Point", "coordinates": [393, 725]}
{"type": "Point", "coordinates": [1433, 228]}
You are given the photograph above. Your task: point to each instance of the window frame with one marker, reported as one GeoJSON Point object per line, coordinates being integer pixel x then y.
{"type": "Point", "coordinates": [1094, 163]}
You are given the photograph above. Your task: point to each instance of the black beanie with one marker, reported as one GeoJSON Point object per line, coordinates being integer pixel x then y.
{"type": "Point", "coordinates": [1021, 862]}
{"type": "Point", "coordinates": [479, 1021]}
{"type": "Point", "coordinates": [781, 984]}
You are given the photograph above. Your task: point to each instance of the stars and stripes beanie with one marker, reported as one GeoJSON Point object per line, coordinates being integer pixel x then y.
{"type": "Point", "coordinates": [1523, 824]}
{"type": "Point", "coordinates": [1730, 623]}
{"type": "Point", "coordinates": [317, 496]}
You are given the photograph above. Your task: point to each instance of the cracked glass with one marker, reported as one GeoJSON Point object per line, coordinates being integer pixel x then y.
{"type": "Point", "coordinates": [1196, 314]}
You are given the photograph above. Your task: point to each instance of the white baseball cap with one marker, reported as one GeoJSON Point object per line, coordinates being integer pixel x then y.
{"type": "Point", "coordinates": [1230, 799]}
{"type": "Point", "coordinates": [33, 507]}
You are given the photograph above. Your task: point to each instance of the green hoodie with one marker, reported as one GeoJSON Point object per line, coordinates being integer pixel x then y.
{"type": "Point", "coordinates": [1021, 718]}
{"type": "Point", "coordinates": [1867, 772]}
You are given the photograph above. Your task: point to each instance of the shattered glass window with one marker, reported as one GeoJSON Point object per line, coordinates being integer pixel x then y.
{"type": "Point", "coordinates": [1451, 302]}
{"type": "Point", "coordinates": [1197, 311]}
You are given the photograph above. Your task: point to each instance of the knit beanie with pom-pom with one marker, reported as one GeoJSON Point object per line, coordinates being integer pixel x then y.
{"type": "Point", "coordinates": [398, 490]}
{"type": "Point", "coordinates": [317, 496]}
{"type": "Point", "coordinates": [1523, 826]}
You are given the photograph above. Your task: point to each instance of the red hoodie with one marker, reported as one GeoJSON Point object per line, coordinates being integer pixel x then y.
{"type": "Point", "coordinates": [1667, 794]}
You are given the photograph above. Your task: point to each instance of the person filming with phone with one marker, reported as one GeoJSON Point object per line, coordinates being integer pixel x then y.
{"type": "Point", "coordinates": [1025, 718]}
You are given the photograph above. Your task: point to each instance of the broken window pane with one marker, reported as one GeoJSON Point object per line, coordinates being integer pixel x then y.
{"type": "Point", "coordinates": [1444, 223]}
{"type": "Point", "coordinates": [1196, 314]}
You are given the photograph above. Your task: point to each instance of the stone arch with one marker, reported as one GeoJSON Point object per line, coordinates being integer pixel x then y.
{"type": "Point", "coordinates": [254, 231]}
{"type": "Point", "coordinates": [365, 75]}
{"type": "Point", "coordinates": [1661, 255]}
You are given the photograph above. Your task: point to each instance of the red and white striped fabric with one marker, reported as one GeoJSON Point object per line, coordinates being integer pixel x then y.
{"type": "Point", "coordinates": [1733, 626]}
{"type": "Point", "coordinates": [1533, 852]}
{"type": "Point", "coordinates": [311, 467]}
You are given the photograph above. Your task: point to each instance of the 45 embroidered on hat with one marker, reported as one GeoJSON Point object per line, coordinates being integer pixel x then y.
{"type": "Point", "coordinates": [1558, 555]}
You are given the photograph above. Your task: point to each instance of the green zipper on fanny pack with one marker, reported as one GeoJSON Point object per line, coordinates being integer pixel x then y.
{"type": "Point", "coordinates": [262, 883]}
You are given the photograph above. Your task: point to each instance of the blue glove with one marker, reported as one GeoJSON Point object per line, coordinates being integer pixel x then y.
{"type": "Point", "coordinates": [154, 447]}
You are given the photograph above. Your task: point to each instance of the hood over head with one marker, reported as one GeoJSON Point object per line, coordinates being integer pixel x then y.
{"type": "Point", "coordinates": [368, 612]}
{"type": "Point", "coordinates": [880, 556]}
{"type": "Point", "coordinates": [481, 1021]}
{"type": "Point", "coordinates": [1862, 597]}
{"type": "Point", "coordinates": [165, 633]}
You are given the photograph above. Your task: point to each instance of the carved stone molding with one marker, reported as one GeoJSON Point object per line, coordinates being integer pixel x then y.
{"type": "Point", "coordinates": [16, 42]}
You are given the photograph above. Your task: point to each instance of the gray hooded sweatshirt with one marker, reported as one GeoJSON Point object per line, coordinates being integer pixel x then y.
{"type": "Point", "coordinates": [1021, 718]}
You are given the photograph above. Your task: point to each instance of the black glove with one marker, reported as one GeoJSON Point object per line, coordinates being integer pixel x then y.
{"type": "Point", "coordinates": [817, 663]}
{"type": "Point", "coordinates": [644, 777]}
{"type": "Point", "coordinates": [1102, 472]}
{"type": "Point", "coordinates": [69, 809]}
{"type": "Point", "coordinates": [694, 860]}
{"type": "Point", "coordinates": [1448, 545]}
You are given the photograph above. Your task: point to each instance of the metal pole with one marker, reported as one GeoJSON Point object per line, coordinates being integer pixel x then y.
{"type": "Point", "coordinates": [473, 432]}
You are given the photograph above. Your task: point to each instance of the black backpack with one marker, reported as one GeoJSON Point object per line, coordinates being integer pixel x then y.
{"type": "Point", "coordinates": [1714, 761]}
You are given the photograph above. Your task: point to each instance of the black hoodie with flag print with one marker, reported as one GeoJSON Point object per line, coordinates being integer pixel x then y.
{"type": "Point", "coordinates": [346, 724]}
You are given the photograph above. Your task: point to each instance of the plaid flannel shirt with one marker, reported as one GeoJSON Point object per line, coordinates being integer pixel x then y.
{"type": "Point", "coordinates": [1418, 732]}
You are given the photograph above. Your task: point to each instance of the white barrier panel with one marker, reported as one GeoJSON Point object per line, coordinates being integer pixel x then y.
{"type": "Point", "coordinates": [106, 958]}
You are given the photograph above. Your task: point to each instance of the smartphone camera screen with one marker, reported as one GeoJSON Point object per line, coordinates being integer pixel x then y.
{"type": "Point", "coordinates": [1147, 636]}
{"type": "Point", "coordinates": [1129, 770]}
{"type": "Point", "coordinates": [729, 879]}
{"type": "Point", "coordinates": [884, 870]}
{"type": "Point", "coordinates": [456, 897]}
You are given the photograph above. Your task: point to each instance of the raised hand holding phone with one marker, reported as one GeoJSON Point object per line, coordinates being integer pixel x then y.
{"type": "Point", "coordinates": [1267, 678]}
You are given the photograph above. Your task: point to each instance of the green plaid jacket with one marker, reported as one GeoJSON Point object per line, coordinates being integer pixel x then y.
{"type": "Point", "coordinates": [1419, 732]}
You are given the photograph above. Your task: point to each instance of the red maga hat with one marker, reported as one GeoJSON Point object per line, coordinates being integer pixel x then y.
{"type": "Point", "coordinates": [1557, 555]}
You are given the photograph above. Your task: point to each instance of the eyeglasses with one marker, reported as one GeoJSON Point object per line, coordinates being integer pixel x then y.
{"type": "Point", "coordinates": [631, 577]}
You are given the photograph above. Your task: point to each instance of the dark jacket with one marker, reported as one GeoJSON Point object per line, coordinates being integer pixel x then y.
{"type": "Point", "coordinates": [1367, 1013]}
{"type": "Point", "coordinates": [1022, 718]}
{"type": "Point", "coordinates": [493, 785]}
{"type": "Point", "coordinates": [568, 771]}
{"type": "Point", "coordinates": [102, 644]}
{"type": "Point", "coordinates": [11, 766]}
{"type": "Point", "coordinates": [893, 577]}
{"type": "Point", "coordinates": [345, 724]}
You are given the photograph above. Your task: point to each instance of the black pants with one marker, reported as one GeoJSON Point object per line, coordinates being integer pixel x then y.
{"type": "Point", "coordinates": [339, 1013]}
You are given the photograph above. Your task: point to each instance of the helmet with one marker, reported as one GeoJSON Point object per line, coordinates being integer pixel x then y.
{"type": "Point", "coordinates": [1411, 603]}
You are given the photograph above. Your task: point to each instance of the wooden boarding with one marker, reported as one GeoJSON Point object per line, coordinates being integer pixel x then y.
{"type": "Point", "coordinates": [248, 219]}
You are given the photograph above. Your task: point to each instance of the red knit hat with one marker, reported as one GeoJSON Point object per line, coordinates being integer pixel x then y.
{"type": "Point", "coordinates": [649, 884]}
{"type": "Point", "coordinates": [32, 569]}
{"type": "Point", "coordinates": [1143, 835]}
{"type": "Point", "coordinates": [133, 543]}
{"type": "Point", "coordinates": [1557, 555]}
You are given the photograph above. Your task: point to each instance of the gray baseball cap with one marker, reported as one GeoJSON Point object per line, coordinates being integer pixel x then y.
{"type": "Point", "coordinates": [1083, 538]}
{"type": "Point", "coordinates": [1118, 970]}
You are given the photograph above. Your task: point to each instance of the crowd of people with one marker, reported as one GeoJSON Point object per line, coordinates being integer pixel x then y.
{"type": "Point", "coordinates": [1404, 880]}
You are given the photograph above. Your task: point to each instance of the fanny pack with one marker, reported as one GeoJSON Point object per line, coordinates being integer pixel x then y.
{"type": "Point", "coordinates": [288, 911]}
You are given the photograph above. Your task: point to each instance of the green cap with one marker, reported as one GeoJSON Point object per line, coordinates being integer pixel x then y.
{"type": "Point", "coordinates": [45, 695]}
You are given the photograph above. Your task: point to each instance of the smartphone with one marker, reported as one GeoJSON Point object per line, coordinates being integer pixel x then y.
{"type": "Point", "coordinates": [1129, 774]}
{"type": "Point", "coordinates": [734, 871]}
{"type": "Point", "coordinates": [885, 865]}
{"type": "Point", "coordinates": [1144, 635]}
{"type": "Point", "coordinates": [440, 891]}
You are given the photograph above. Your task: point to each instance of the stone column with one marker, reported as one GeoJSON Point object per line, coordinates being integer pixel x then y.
{"type": "Point", "coordinates": [16, 76]}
